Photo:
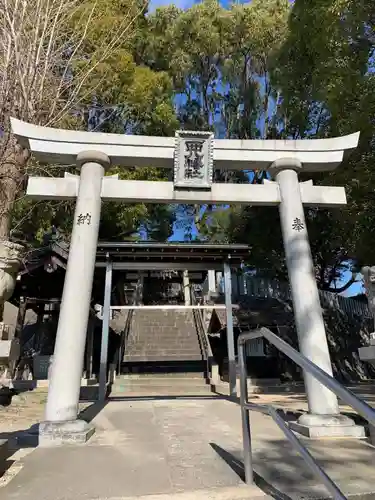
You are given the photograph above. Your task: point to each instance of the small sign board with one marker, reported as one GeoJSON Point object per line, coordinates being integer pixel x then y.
{"type": "Point", "coordinates": [193, 159]}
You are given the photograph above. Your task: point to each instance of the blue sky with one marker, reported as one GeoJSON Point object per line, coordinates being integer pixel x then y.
{"type": "Point", "coordinates": [355, 289]}
{"type": "Point", "coordinates": [185, 4]}
{"type": "Point", "coordinates": [182, 4]}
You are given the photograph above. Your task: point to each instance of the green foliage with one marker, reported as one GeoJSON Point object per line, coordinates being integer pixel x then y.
{"type": "Point", "coordinates": [119, 221]}
{"type": "Point", "coordinates": [322, 75]}
{"type": "Point", "coordinates": [124, 95]}
{"type": "Point", "coordinates": [264, 69]}
{"type": "Point", "coordinates": [130, 96]}
{"type": "Point", "coordinates": [219, 60]}
{"type": "Point", "coordinates": [326, 78]}
{"type": "Point", "coordinates": [123, 221]}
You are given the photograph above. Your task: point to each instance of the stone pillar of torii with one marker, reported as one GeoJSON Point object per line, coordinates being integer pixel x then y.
{"type": "Point", "coordinates": [193, 156]}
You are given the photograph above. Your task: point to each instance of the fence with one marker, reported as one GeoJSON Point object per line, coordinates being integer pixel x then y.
{"type": "Point", "coordinates": [260, 287]}
{"type": "Point", "coordinates": [267, 288]}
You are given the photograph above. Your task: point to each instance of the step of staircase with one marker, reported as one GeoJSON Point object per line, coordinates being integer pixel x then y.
{"type": "Point", "coordinates": [195, 367]}
{"type": "Point", "coordinates": [164, 339]}
{"type": "Point", "coordinates": [159, 381]}
{"type": "Point", "coordinates": [160, 385]}
{"type": "Point", "coordinates": [175, 347]}
{"type": "Point", "coordinates": [162, 357]}
{"type": "Point", "coordinates": [196, 376]}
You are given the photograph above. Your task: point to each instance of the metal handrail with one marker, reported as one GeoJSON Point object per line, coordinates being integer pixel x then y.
{"type": "Point", "coordinates": [206, 342]}
{"type": "Point", "coordinates": [347, 396]}
{"type": "Point", "coordinates": [125, 332]}
{"type": "Point", "coordinates": [123, 339]}
{"type": "Point", "coordinates": [342, 392]}
{"type": "Point", "coordinates": [212, 368]}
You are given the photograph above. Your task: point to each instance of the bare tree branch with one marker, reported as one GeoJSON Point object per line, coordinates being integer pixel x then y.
{"type": "Point", "coordinates": [342, 288]}
{"type": "Point", "coordinates": [48, 56]}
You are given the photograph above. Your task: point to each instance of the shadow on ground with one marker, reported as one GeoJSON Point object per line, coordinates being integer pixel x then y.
{"type": "Point", "coordinates": [8, 447]}
{"type": "Point", "coordinates": [237, 466]}
{"type": "Point", "coordinates": [281, 473]}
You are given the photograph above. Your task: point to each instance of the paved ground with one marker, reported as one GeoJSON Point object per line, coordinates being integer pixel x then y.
{"type": "Point", "coordinates": [183, 448]}
{"type": "Point", "coordinates": [25, 410]}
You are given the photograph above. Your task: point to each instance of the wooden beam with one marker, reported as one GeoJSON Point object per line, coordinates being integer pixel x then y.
{"type": "Point", "coordinates": [168, 266]}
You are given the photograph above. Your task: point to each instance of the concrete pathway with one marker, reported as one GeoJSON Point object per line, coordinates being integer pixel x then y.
{"type": "Point", "coordinates": [184, 448]}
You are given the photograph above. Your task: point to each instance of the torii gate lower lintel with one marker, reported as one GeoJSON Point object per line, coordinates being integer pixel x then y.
{"type": "Point", "coordinates": [193, 155]}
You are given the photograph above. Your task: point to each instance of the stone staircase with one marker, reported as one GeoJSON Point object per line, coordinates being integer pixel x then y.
{"type": "Point", "coordinates": [163, 340]}
{"type": "Point", "coordinates": [161, 384]}
{"type": "Point", "coordinates": [162, 357]}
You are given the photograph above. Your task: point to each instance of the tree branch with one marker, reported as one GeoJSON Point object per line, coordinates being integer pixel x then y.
{"type": "Point", "coordinates": [342, 288]}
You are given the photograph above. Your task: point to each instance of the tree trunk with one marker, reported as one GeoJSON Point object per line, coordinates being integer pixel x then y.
{"type": "Point", "coordinates": [8, 195]}
{"type": "Point", "coordinates": [12, 174]}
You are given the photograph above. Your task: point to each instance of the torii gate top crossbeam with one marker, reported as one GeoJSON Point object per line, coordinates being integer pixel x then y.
{"type": "Point", "coordinates": [59, 146]}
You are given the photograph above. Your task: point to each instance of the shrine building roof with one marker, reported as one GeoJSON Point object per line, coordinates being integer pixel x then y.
{"type": "Point", "coordinates": [175, 255]}
{"type": "Point", "coordinates": [145, 255]}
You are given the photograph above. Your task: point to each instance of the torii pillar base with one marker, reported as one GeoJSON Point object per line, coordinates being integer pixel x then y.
{"type": "Point", "coordinates": [327, 426]}
{"type": "Point", "coordinates": [63, 433]}
{"type": "Point", "coordinates": [51, 434]}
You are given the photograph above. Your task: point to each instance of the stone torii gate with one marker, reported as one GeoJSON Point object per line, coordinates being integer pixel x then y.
{"type": "Point", "coordinates": [193, 156]}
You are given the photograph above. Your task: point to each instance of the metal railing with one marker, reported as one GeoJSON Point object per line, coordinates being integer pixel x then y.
{"type": "Point", "coordinates": [212, 369]}
{"type": "Point", "coordinates": [133, 300]}
{"type": "Point", "coordinates": [344, 394]}
{"type": "Point", "coordinates": [123, 340]}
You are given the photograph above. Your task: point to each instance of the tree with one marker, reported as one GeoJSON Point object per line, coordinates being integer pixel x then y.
{"type": "Point", "coordinates": [92, 83]}
{"type": "Point", "coordinates": [31, 220]}
{"type": "Point", "coordinates": [325, 73]}
{"type": "Point", "coordinates": [49, 51]}
{"type": "Point", "coordinates": [220, 61]}
{"type": "Point", "coordinates": [322, 77]}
